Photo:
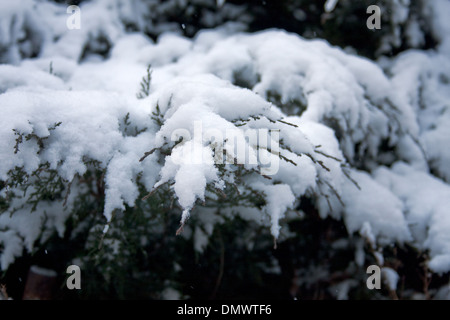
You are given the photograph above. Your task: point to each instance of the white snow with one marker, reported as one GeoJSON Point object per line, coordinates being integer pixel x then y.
{"type": "Point", "coordinates": [330, 5]}
{"type": "Point", "coordinates": [221, 81]}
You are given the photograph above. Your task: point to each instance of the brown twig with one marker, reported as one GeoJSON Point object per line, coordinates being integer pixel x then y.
{"type": "Point", "coordinates": [287, 160]}
{"type": "Point", "coordinates": [317, 161]}
{"type": "Point", "coordinates": [147, 154]}
{"type": "Point", "coordinates": [219, 191]}
{"type": "Point", "coordinates": [180, 229]}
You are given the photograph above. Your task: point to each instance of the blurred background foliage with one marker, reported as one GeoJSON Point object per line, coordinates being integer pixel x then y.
{"type": "Point", "coordinates": [141, 258]}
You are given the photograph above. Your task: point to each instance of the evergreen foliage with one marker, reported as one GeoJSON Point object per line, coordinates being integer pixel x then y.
{"type": "Point", "coordinates": [100, 187]}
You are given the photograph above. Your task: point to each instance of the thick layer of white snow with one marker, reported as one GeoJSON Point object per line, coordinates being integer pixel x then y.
{"type": "Point", "coordinates": [76, 101]}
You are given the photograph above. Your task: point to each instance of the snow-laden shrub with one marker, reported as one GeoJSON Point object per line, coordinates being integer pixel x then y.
{"type": "Point", "coordinates": [113, 143]}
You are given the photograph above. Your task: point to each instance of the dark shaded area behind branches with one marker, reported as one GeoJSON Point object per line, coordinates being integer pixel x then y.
{"type": "Point", "coordinates": [345, 26]}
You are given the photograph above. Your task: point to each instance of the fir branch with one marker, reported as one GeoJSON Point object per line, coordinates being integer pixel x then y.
{"type": "Point", "coordinates": [338, 196]}
{"type": "Point", "coordinates": [145, 84]}
{"type": "Point", "coordinates": [153, 191]}
{"type": "Point", "coordinates": [157, 116]}
{"type": "Point", "coordinates": [221, 265]}
{"type": "Point", "coordinates": [180, 229]}
{"type": "Point", "coordinates": [69, 186]}
{"type": "Point", "coordinates": [19, 140]}
{"type": "Point", "coordinates": [107, 227]}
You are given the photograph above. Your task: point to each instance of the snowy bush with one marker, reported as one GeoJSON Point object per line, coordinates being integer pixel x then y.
{"type": "Point", "coordinates": [312, 160]}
